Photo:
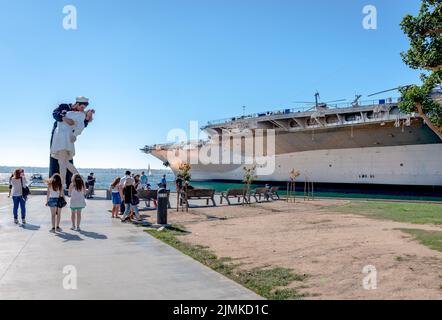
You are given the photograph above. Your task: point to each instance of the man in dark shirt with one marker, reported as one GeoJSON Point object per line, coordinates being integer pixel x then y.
{"type": "Point", "coordinates": [163, 183]}
{"type": "Point", "coordinates": [91, 185]}
{"type": "Point", "coordinates": [179, 183]}
{"type": "Point", "coordinates": [59, 115]}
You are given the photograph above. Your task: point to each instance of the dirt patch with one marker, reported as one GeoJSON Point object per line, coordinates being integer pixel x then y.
{"type": "Point", "coordinates": [330, 247]}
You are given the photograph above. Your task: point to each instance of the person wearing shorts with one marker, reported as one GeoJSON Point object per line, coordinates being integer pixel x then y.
{"type": "Point", "coordinates": [77, 190]}
{"type": "Point", "coordinates": [116, 192]}
{"type": "Point", "coordinates": [55, 193]}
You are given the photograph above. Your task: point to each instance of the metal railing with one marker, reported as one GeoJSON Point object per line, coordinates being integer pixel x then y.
{"type": "Point", "coordinates": [344, 105]}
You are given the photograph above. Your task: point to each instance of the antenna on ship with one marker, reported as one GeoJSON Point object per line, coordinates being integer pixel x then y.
{"type": "Point", "coordinates": [317, 102]}
{"type": "Point", "coordinates": [355, 102]}
{"type": "Point", "coordinates": [317, 97]}
{"type": "Point", "coordinates": [389, 90]}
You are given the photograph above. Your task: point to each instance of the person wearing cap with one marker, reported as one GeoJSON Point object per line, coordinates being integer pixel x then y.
{"type": "Point", "coordinates": [59, 115]}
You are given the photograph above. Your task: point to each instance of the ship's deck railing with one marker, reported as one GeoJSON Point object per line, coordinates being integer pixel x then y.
{"type": "Point", "coordinates": [177, 145]}
{"type": "Point", "coordinates": [360, 120]}
{"type": "Point", "coordinates": [344, 105]}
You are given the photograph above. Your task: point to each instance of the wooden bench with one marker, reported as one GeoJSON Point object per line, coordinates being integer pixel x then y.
{"type": "Point", "coordinates": [262, 193]}
{"type": "Point", "coordinates": [151, 195]}
{"type": "Point", "coordinates": [198, 194]}
{"type": "Point", "coordinates": [235, 193]}
{"type": "Point", "coordinates": [274, 193]}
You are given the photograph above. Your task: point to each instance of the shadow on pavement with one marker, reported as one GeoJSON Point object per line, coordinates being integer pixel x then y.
{"type": "Point", "coordinates": [68, 237]}
{"type": "Point", "coordinates": [96, 199]}
{"type": "Point", "coordinates": [93, 235]}
{"type": "Point", "coordinates": [31, 227]}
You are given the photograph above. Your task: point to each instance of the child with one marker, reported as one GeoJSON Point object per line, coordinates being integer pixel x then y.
{"type": "Point", "coordinates": [116, 191]}
{"type": "Point", "coordinates": [77, 190]}
{"type": "Point", "coordinates": [55, 201]}
{"type": "Point", "coordinates": [130, 199]}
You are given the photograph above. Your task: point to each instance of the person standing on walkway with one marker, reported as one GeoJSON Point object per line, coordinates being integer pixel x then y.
{"type": "Point", "coordinates": [18, 183]}
{"type": "Point", "coordinates": [163, 182]}
{"type": "Point", "coordinates": [122, 185]}
{"type": "Point", "coordinates": [91, 185]}
{"type": "Point", "coordinates": [131, 200]}
{"type": "Point", "coordinates": [77, 190]}
{"type": "Point", "coordinates": [117, 195]}
{"type": "Point", "coordinates": [144, 180]}
{"type": "Point", "coordinates": [137, 183]}
{"type": "Point", "coordinates": [55, 201]}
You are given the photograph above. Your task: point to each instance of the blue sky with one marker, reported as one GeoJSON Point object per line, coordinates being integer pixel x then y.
{"type": "Point", "coordinates": [151, 66]}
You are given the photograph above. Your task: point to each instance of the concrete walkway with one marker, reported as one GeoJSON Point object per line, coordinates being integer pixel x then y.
{"type": "Point", "coordinates": [112, 261]}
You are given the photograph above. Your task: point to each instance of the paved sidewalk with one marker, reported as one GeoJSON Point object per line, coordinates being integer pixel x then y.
{"type": "Point", "coordinates": [112, 260]}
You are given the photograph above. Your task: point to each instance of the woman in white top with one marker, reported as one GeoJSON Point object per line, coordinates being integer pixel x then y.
{"type": "Point", "coordinates": [77, 190]}
{"type": "Point", "coordinates": [63, 143]}
{"type": "Point", "coordinates": [17, 182]}
{"type": "Point", "coordinates": [54, 196]}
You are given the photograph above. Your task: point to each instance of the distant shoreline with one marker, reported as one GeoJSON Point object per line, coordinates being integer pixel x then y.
{"type": "Point", "coordinates": [104, 176]}
{"type": "Point", "coordinates": [31, 169]}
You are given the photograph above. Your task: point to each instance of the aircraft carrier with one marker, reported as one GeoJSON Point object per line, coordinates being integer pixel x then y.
{"type": "Point", "coordinates": [364, 143]}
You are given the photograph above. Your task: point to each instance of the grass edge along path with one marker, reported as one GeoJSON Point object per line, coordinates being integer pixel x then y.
{"type": "Point", "coordinates": [268, 283]}
{"type": "Point", "coordinates": [430, 239]}
{"type": "Point", "coordinates": [415, 213]}
{"type": "Point", "coordinates": [5, 188]}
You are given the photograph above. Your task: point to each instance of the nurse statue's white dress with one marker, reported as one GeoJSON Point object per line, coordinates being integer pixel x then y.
{"type": "Point", "coordinates": [63, 144]}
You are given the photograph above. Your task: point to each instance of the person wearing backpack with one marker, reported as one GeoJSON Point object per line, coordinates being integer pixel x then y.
{"type": "Point", "coordinates": [19, 192]}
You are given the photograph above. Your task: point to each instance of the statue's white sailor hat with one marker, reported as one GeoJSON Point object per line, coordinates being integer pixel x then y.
{"type": "Point", "coordinates": [82, 99]}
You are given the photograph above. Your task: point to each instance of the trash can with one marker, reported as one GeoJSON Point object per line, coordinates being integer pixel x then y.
{"type": "Point", "coordinates": [163, 202]}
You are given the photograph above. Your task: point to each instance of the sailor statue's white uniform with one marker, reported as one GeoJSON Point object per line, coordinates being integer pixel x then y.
{"type": "Point", "coordinates": [63, 143]}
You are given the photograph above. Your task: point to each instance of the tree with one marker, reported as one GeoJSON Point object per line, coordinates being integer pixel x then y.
{"type": "Point", "coordinates": [249, 177]}
{"type": "Point", "coordinates": [425, 34]}
{"type": "Point", "coordinates": [184, 172]}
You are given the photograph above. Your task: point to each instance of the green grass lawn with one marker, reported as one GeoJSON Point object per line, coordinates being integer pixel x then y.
{"type": "Point", "coordinates": [268, 283]}
{"type": "Point", "coordinates": [4, 188]}
{"type": "Point", "coordinates": [417, 213]}
{"type": "Point", "coordinates": [431, 239]}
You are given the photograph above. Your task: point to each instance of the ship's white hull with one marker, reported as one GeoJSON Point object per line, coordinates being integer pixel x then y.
{"type": "Point", "coordinates": [418, 165]}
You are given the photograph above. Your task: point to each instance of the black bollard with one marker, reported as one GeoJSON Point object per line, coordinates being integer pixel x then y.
{"type": "Point", "coordinates": [163, 202]}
